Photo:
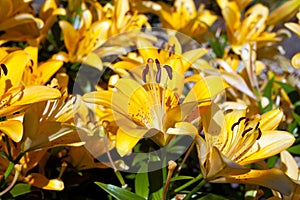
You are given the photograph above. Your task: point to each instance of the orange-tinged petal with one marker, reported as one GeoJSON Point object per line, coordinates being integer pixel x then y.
{"type": "Point", "coordinates": [269, 144]}
{"type": "Point", "coordinates": [13, 129]}
{"type": "Point", "coordinates": [271, 178]}
{"type": "Point", "coordinates": [40, 181]}
{"type": "Point", "coordinates": [289, 165]}
{"type": "Point", "coordinates": [270, 120]}
{"type": "Point", "coordinates": [21, 19]}
{"type": "Point", "coordinates": [7, 6]}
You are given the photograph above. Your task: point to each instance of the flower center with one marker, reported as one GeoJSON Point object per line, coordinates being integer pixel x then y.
{"type": "Point", "coordinates": [159, 98]}
{"type": "Point", "coordinates": [244, 134]}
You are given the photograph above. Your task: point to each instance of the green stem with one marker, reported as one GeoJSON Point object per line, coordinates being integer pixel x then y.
{"type": "Point", "coordinates": [197, 188]}
{"type": "Point", "coordinates": [120, 177]}
{"type": "Point", "coordinates": [199, 177]}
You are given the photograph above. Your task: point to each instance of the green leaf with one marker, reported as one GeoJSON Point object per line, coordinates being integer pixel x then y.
{"type": "Point", "coordinates": [297, 118]}
{"type": "Point", "coordinates": [155, 179]}
{"type": "Point", "coordinates": [286, 87]}
{"type": "Point", "coordinates": [141, 185]}
{"type": "Point", "coordinates": [156, 195]}
{"type": "Point", "coordinates": [271, 161]}
{"type": "Point", "coordinates": [268, 93]}
{"type": "Point", "coordinates": [212, 197]}
{"type": "Point", "coordinates": [177, 178]}
{"type": "Point", "coordinates": [20, 189]}
{"type": "Point", "coordinates": [295, 149]}
{"type": "Point", "coordinates": [119, 193]}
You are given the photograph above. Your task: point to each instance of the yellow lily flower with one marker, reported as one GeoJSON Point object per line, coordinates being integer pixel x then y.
{"type": "Point", "coordinates": [17, 22]}
{"type": "Point", "coordinates": [14, 96]}
{"type": "Point", "coordinates": [93, 33]}
{"type": "Point", "coordinates": [150, 105]}
{"type": "Point", "coordinates": [250, 29]}
{"type": "Point", "coordinates": [233, 140]}
{"type": "Point", "coordinates": [48, 13]}
{"type": "Point", "coordinates": [290, 167]}
{"type": "Point", "coordinates": [172, 54]}
{"type": "Point", "coordinates": [182, 17]}
{"type": "Point", "coordinates": [296, 29]}
{"type": "Point", "coordinates": [122, 18]}
{"type": "Point", "coordinates": [39, 73]}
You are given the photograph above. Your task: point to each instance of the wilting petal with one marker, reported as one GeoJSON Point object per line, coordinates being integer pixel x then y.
{"type": "Point", "coordinates": [271, 178]}
{"type": "Point", "coordinates": [40, 181]}
{"type": "Point", "coordinates": [269, 144]}
{"type": "Point", "coordinates": [13, 129]}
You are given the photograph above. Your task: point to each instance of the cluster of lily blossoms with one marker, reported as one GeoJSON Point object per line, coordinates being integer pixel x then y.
{"type": "Point", "coordinates": [135, 88]}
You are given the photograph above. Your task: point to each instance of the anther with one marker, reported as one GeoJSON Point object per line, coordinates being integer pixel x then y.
{"type": "Point", "coordinates": [246, 131]}
{"type": "Point", "coordinates": [145, 72]}
{"type": "Point", "coordinates": [259, 134]}
{"type": "Point", "coordinates": [150, 60]}
{"type": "Point", "coordinates": [238, 122]}
{"type": "Point", "coordinates": [169, 71]}
{"type": "Point", "coordinates": [158, 75]}
{"type": "Point", "coordinates": [257, 125]}
{"type": "Point", "coordinates": [4, 68]}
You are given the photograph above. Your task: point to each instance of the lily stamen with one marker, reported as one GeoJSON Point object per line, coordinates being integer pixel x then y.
{"type": "Point", "coordinates": [246, 131]}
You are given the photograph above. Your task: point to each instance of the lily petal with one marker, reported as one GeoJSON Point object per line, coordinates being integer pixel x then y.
{"type": "Point", "coordinates": [270, 143]}
{"type": "Point", "coordinates": [125, 142]}
{"type": "Point", "coordinates": [264, 178]}
{"type": "Point", "coordinates": [289, 165]}
{"type": "Point", "coordinates": [19, 97]}
{"type": "Point", "coordinates": [270, 120]}
{"type": "Point", "coordinates": [40, 181]}
{"type": "Point", "coordinates": [13, 129]}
